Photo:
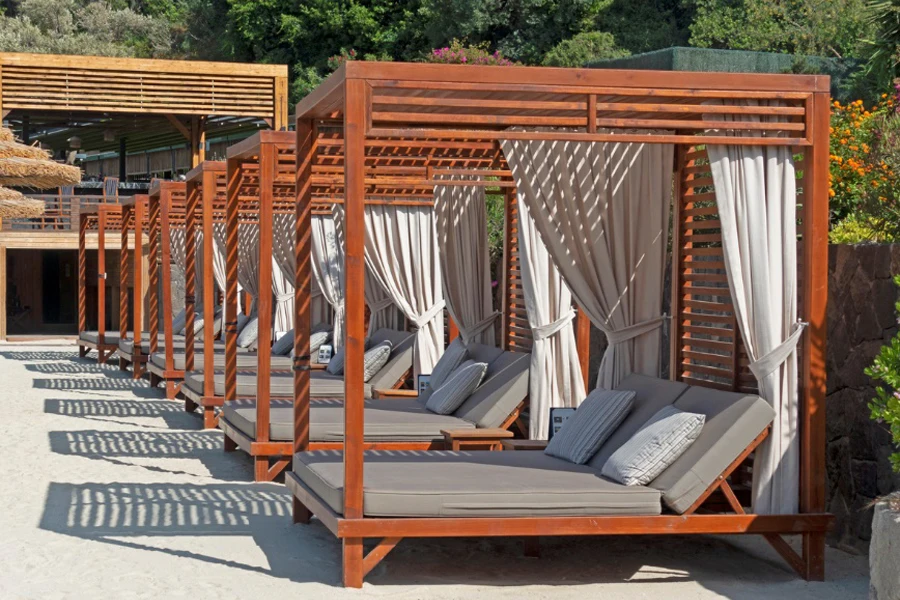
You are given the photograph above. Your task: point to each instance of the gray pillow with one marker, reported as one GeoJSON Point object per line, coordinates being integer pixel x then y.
{"type": "Point", "coordinates": [453, 356]}
{"type": "Point", "coordinates": [336, 364]}
{"type": "Point", "coordinates": [178, 322]}
{"type": "Point", "coordinates": [457, 388]}
{"type": "Point", "coordinates": [283, 344]}
{"type": "Point", "coordinates": [654, 447]}
{"type": "Point", "coordinates": [242, 321]}
{"type": "Point", "coordinates": [595, 420]}
{"type": "Point", "coordinates": [247, 336]}
{"type": "Point", "coordinates": [316, 339]}
{"type": "Point", "coordinates": [375, 359]}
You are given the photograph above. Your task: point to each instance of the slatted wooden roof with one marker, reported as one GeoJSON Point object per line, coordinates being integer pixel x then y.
{"type": "Point", "coordinates": [110, 214]}
{"type": "Point", "coordinates": [128, 210]}
{"type": "Point", "coordinates": [172, 195]}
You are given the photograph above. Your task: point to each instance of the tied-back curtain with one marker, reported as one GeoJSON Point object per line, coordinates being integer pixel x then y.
{"type": "Point", "coordinates": [199, 288]}
{"type": "Point", "coordinates": [555, 378]}
{"type": "Point", "coordinates": [602, 211]}
{"type": "Point", "coordinates": [756, 196]}
{"type": "Point", "coordinates": [177, 256]}
{"type": "Point", "coordinates": [219, 257]}
{"type": "Point", "coordinates": [402, 256]}
{"type": "Point", "coordinates": [283, 261]}
{"type": "Point", "coordinates": [461, 218]}
{"type": "Point", "coordinates": [328, 269]}
{"type": "Point", "coordinates": [248, 260]}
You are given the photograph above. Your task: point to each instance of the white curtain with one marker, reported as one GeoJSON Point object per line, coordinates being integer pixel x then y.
{"type": "Point", "coordinates": [177, 249]}
{"type": "Point", "coordinates": [328, 269]}
{"type": "Point", "coordinates": [199, 289]}
{"type": "Point", "coordinates": [248, 259]}
{"type": "Point", "coordinates": [402, 256]}
{"type": "Point", "coordinates": [219, 271]}
{"type": "Point", "coordinates": [461, 218]}
{"type": "Point", "coordinates": [602, 210]}
{"type": "Point", "coordinates": [283, 261]}
{"type": "Point", "coordinates": [555, 378]}
{"type": "Point", "coordinates": [756, 196]}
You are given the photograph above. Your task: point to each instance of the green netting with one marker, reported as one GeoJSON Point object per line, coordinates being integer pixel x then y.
{"type": "Point", "coordinates": [738, 61]}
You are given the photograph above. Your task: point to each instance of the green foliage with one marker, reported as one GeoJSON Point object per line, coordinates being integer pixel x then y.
{"type": "Point", "coordinates": [883, 48]}
{"type": "Point", "coordinates": [647, 25]}
{"type": "Point", "coordinates": [582, 49]}
{"type": "Point", "coordinates": [859, 229]}
{"type": "Point", "coordinates": [812, 27]}
{"type": "Point", "coordinates": [885, 406]}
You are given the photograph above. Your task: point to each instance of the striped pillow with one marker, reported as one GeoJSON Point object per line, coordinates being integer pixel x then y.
{"type": "Point", "coordinates": [595, 420]}
{"type": "Point", "coordinates": [457, 388]}
{"type": "Point", "coordinates": [375, 358]}
{"type": "Point", "coordinates": [452, 357]}
{"type": "Point", "coordinates": [654, 447]}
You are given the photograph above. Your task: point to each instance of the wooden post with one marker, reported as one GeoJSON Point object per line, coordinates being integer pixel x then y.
{"type": "Point", "coordinates": [815, 300]}
{"type": "Point", "coordinates": [233, 174]}
{"type": "Point", "coordinates": [137, 296]}
{"type": "Point", "coordinates": [198, 140]}
{"type": "Point", "coordinates": [165, 201]}
{"type": "Point", "coordinates": [677, 300]}
{"type": "Point", "coordinates": [209, 183]}
{"type": "Point", "coordinates": [267, 165]}
{"type": "Point", "coordinates": [190, 275]}
{"type": "Point", "coordinates": [306, 137]}
{"type": "Point", "coordinates": [123, 278]}
{"type": "Point", "coordinates": [101, 281]}
{"type": "Point", "coordinates": [281, 104]}
{"type": "Point", "coordinates": [153, 272]}
{"type": "Point", "coordinates": [583, 345]}
{"type": "Point", "coordinates": [82, 274]}
{"type": "Point", "coordinates": [3, 291]}
{"type": "Point", "coordinates": [355, 99]}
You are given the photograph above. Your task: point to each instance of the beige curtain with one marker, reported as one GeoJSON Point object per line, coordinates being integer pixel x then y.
{"type": "Point", "coordinates": [602, 210]}
{"type": "Point", "coordinates": [401, 253]}
{"type": "Point", "coordinates": [461, 219]}
{"type": "Point", "coordinates": [555, 378]}
{"type": "Point", "coordinates": [756, 195]}
{"type": "Point", "coordinates": [328, 269]}
{"type": "Point", "coordinates": [283, 261]}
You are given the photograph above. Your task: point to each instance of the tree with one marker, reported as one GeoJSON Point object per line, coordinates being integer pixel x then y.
{"type": "Point", "coordinates": [582, 49]}
{"type": "Point", "coordinates": [647, 25]}
{"type": "Point", "coordinates": [883, 49]}
{"type": "Point", "coordinates": [812, 27]}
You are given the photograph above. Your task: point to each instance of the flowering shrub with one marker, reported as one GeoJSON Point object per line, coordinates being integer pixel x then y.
{"type": "Point", "coordinates": [885, 406]}
{"type": "Point", "coordinates": [457, 53]}
{"type": "Point", "coordinates": [336, 61]}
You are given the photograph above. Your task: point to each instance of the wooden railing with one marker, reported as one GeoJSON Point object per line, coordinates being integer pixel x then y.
{"type": "Point", "coordinates": [61, 212]}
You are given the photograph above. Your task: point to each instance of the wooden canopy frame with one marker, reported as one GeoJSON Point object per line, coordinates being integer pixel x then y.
{"type": "Point", "coordinates": [167, 202]}
{"type": "Point", "coordinates": [135, 221]}
{"type": "Point", "coordinates": [389, 130]}
{"type": "Point", "coordinates": [101, 218]}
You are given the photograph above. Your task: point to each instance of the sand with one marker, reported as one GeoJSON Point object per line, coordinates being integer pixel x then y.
{"type": "Point", "coordinates": [110, 491]}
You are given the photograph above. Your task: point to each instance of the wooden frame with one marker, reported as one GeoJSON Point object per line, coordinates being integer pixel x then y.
{"type": "Point", "coordinates": [103, 218]}
{"type": "Point", "coordinates": [166, 203]}
{"type": "Point", "coordinates": [134, 223]}
{"type": "Point", "coordinates": [367, 112]}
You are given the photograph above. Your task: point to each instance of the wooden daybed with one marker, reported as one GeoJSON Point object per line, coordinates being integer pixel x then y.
{"type": "Point", "coordinates": [430, 119]}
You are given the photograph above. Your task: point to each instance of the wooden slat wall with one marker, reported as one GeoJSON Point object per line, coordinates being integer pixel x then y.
{"type": "Point", "coordinates": [707, 349]}
{"type": "Point", "coordinates": [516, 329]}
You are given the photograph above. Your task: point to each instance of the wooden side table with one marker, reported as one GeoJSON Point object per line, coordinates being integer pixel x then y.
{"type": "Point", "coordinates": [486, 439]}
{"type": "Point", "coordinates": [528, 445]}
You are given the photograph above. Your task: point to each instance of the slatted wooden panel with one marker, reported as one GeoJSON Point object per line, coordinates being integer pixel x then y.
{"type": "Point", "coordinates": [72, 83]}
{"type": "Point", "coordinates": [707, 349]}
{"type": "Point", "coordinates": [516, 329]}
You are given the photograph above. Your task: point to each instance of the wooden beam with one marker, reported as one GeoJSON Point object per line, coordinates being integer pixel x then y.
{"type": "Point", "coordinates": [3, 291]}
{"type": "Point", "coordinates": [306, 149]}
{"type": "Point", "coordinates": [233, 183]}
{"type": "Point", "coordinates": [181, 127]}
{"type": "Point", "coordinates": [267, 166]}
{"type": "Point", "coordinates": [209, 184]}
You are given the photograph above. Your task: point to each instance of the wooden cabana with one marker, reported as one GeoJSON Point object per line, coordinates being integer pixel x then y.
{"type": "Point", "coordinates": [206, 196]}
{"type": "Point", "coordinates": [167, 208]}
{"type": "Point", "coordinates": [103, 219]}
{"type": "Point", "coordinates": [395, 131]}
{"type": "Point", "coordinates": [135, 221]}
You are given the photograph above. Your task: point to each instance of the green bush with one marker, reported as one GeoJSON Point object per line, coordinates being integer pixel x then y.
{"type": "Point", "coordinates": [885, 406]}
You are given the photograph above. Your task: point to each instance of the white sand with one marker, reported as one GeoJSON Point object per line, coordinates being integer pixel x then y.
{"type": "Point", "coordinates": [110, 491]}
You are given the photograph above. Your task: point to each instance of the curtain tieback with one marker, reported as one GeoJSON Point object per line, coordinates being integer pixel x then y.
{"type": "Point", "coordinates": [542, 332]}
{"type": "Point", "coordinates": [281, 298]}
{"type": "Point", "coordinates": [632, 331]}
{"type": "Point", "coordinates": [470, 332]}
{"type": "Point", "coordinates": [379, 305]}
{"type": "Point", "coordinates": [423, 319]}
{"type": "Point", "coordinates": [774, 358]}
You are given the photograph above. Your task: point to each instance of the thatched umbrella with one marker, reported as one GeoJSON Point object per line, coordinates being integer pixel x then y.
{"type": "Point", "coordinates": [30, 166]}
{"type": "Point", "coordinates": [13, 205]}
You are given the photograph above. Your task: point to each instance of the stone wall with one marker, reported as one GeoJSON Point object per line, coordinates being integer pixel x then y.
{"type": "Point", "coordinates": [861, 318]}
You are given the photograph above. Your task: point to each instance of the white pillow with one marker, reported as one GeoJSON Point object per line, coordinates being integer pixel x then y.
{"type": "Point", "coordinates": [654, 447]}
{"type": "Point", "coordinates": [249, 333]}
{"type": "Point", "coordinates": [375, 359]}
{"type": "Point", "coordinates": [457, 388]}
{"type": "Point", "coordinates": [284, 341]}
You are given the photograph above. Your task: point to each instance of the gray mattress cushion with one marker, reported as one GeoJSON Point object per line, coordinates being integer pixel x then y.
{"type": "Point", "coordinates": [178, 343]}
{"type": "Point", "coordinates": [386, 420]}
{"type": "Point", "coordinates": [322, 384]}
{"type": "Point", "coordinates": [127, 344]}
{"type": "Point", "coordinates": [245, 360]}
{"type": "Point", "coordinates": [400, 361]}
{"type": "Point", "coordinates": [733, 420]}
{"type": "Point", "coordinates": [651, 395]}
{"type": "Point", "coordinates": [109, 337]}
{"type": "Point", "coordinates": [470, 484]}
{"type": "Point", "coordinates": [505, 386]}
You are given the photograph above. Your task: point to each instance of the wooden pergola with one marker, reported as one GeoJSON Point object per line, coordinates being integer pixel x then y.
{"type": "Point", "coordinates": [45, 92]}
{"type": "Point", "coordinates": [167, 208]}
{"type": "Point", "coordinates": [135, 221]}
{"type": "Point", "coordinates": [103, 218]}
{"type": "Point", "coordinates": [393, 132]}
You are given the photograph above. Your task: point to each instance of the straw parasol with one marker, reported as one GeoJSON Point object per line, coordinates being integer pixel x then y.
{"type": "Point", "coordinates": [30, 166]}
{"type": "Point", "coordinates": [13, 205]}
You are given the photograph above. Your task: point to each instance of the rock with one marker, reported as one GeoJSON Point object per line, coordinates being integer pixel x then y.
{"type": "Point", "coordinates": [884, 551]}
{"type": "Point", "coordinates": [865, 478]}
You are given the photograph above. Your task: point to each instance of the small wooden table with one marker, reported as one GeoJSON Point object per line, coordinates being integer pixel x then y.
{"type": "Point", "coordinates": [531, 445]}
{"type": "Point", "coordinates": [489, 439]}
